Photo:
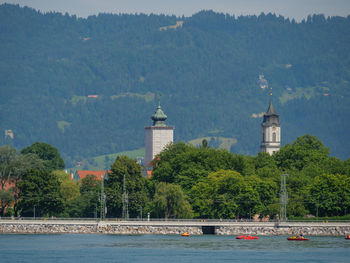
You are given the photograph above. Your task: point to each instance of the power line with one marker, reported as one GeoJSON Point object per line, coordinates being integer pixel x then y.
{"type": "Point", "coordinates": [103, 200]}
{"type": "Point", "coordinates": [283, 198]}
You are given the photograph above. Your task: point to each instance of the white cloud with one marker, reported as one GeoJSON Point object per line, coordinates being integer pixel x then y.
{"type": "Point", "coordinates": [258, 115]}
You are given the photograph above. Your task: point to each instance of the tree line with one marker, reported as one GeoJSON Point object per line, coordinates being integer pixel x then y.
{"type": "Point", "coordinates": [187, 182]}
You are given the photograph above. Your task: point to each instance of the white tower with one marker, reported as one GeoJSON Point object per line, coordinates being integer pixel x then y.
{"type": "Point", "coordinates": [157, 136]}
{"type": "Point", "coordinates": [271, 131]}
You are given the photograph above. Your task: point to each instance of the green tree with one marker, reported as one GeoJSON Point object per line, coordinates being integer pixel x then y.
{"type": "Point", "coordinates": [204, 143]}
{"type": "Point", "coordinates": [329, 195]}
{"type": "Point", "coordinates": [12, 168]}
{"type": "Point", "coordinates": [268, 191]}
{"type": "Point", "coordinates": [169, 202]}
{"type": "Point", "coordinates": [41, 190]}
{"type": "Point", "coordinates": [135, 185]}
{"type": "Point", "coordinates": [48, 153]}
{"type": "Point", "coordinates": [89, 184]}
{"type": "Point", "coordinates": [224, 194]}
{"type": "Point", "coordinates": [304, 150]}
{"type": "Point", "coordinates": [7, 156]}
{"type": "Point", "coordinates": [264, 159]}
{"type": "Point", "coordinates": [185, 165]}
{"type": "Point", "coordinates": [87, 204]}
{"type": "Point", "coordinates": [69, 188]}
{"type": "Point", "coordinates": [6, 199]}
{"type": "Point", "coordinates": [25, 162]}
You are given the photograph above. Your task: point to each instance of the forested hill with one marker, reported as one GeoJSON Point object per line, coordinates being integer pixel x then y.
{"type": "Point", "coordinates": [213, 70]}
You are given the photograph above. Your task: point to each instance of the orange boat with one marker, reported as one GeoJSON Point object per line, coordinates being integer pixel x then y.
{"type": "Point", "coordinates": [347, 237]}
{"type": "Point", "coordinates": [246, 237]}
{"type": "Point", "coordinates": [299, 238]}
{"type": "Point", "coordinates": [185, 234]}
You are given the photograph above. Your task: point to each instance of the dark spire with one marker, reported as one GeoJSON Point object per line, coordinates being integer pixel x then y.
{"type": "Point", "coordinates": [271, 110]}
{"type": "Point", "coordinates": [271, 117]}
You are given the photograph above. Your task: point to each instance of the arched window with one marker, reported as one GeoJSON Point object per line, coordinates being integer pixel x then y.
{"type": "Point", "coordinates": [273, 137]}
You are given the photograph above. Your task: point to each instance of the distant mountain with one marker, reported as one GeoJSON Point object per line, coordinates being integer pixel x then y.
{"type": "Point", "coordinates": [89, 86]}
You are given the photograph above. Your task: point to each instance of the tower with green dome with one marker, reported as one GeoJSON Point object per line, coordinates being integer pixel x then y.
{"type": "Point", "coordinates": [158, 135]}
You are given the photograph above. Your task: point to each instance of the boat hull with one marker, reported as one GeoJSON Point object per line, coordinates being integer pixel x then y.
{"type": "Point", "coordinates": [297, 239]}
{"type": "Point", "coordinates": [247, 237]}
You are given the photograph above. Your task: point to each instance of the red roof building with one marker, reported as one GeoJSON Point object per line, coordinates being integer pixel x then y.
{"type": "Point", "coordinates": [8, 185]}
{"type": "Point", "coordinates": [149, 173]}
{"type": "Point", "coordinates": [81, 174]}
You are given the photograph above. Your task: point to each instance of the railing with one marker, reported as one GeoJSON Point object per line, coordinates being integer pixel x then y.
{"type": "Point", "coordinates": [170, 220]}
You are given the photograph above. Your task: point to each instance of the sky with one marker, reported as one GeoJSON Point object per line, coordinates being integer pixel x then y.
{"type": "Point", "coordinates": [297, 9]}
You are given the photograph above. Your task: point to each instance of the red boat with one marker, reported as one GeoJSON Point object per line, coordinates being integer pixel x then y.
{"type": "Point", "coordinates": [347, 237]}
{"type": "Point", "coordinates": [246, 237]}
{"type": "Point", "coordinates": [300, 238]}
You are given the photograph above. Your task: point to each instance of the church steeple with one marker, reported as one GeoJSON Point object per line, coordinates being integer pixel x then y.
{"type": "Point", "coordinates": [271, 117]}
{"type": "Point", "coordinates": [271, 109]}
{"type": "Point", "coordinates": [271, 130]}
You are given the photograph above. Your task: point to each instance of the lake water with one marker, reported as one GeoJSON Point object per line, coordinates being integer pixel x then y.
{"type": "Point", "coordinates": [167, 249]}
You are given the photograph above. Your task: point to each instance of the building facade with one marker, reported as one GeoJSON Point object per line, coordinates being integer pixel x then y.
{"type": "Point", "coordinates": [271, 131]}
{"type": "Point", "coordinates": [157, 136]}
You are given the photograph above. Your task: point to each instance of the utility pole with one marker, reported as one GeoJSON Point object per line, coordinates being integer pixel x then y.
{"type": "Point", "coordinates": [283, 198]}
{"type": "Point", "coordinates": [125, 213]}
{"type": "Point", "coordinates": [103, 199]}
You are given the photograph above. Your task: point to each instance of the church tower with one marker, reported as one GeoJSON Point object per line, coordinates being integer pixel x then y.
{"type": "Point", "coordinates": [158, 135]}
{"type": "Point", "coordinates": [271, 131]}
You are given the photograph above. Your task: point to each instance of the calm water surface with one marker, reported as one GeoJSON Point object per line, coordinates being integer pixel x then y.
{"type": "Point", "coordinates": [157, 248]}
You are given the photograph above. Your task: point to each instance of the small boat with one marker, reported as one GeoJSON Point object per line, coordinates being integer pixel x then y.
{"type": "Point", "coordinates": [246, 237]}
{"type": "Point", "coordinates": [185, 234]}
{"type": "Point", "coordinates": [299, 238]}
{"type": "Point", "coordinates": [347, 237]}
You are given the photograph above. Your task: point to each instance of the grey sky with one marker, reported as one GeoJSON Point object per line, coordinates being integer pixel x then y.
{"type": "Point", "coordinates": [297, 9]}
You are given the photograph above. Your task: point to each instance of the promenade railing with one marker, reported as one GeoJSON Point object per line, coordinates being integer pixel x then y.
{"type": "Point", "coordinates": [168, 220]}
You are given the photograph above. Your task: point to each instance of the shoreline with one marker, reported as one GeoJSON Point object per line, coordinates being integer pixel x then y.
{"type": "Point", "coordinates": [173, 227]}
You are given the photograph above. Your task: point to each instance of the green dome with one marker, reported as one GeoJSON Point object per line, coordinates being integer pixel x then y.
{"type": "Point", "coordinates": [159, 117]}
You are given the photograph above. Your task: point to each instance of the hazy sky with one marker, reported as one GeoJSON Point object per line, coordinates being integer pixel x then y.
{"type": "Point", "coordinates": [297, 9]}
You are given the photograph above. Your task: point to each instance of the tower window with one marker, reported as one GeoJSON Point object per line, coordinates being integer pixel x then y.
{"type": "Point", "coordinates": [274, 137]}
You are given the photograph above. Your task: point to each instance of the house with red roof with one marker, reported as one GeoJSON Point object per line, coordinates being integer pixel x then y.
{"type": "Point", "coordinates": [81, 174]}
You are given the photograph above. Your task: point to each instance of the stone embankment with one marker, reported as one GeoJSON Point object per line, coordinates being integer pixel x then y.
{"type": "Point", "coordinates": [322, 229]}
{"type": "Point", "coordinates": [94, 228]}
{"type": "Point", "coordinates": [173, 228]}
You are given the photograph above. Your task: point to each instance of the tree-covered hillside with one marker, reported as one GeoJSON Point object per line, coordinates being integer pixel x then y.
{"type": "Point", "coordinates": [213, 70]}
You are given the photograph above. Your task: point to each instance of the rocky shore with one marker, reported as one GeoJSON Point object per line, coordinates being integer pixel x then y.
{"type": "Point", "coordinates": [173, 228]}
{"type": "Point", "coordinates": [97, 228]}
{"type": "Point", "coordinates": [291, 230]}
